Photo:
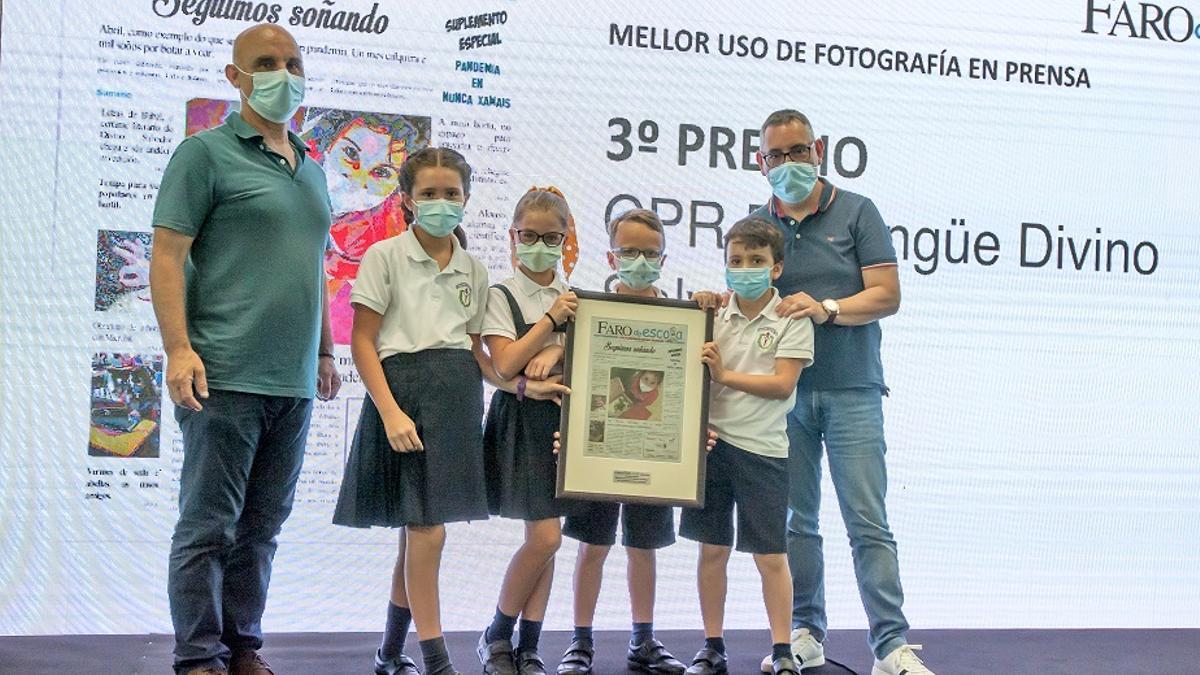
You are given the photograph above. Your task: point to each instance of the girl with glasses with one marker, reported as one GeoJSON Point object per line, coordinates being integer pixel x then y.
{"type": "Point", "coordinates": [523, 330]}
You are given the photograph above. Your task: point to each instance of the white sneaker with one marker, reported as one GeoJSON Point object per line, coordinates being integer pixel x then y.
{"type": "Point", "coordinates": [902, 661]}
{"type": "Point", "coordinates": [807, 651]}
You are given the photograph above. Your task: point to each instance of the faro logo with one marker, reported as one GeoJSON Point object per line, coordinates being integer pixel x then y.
{"type": "Point", "coordinates": [606, 328]}
{"type": "Point", "coordinates": [1142, 20]}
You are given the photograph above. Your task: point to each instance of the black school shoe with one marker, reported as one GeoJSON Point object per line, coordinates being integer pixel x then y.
{"type": "Point", "coordinates": [708, 661]}
{"type": "Point", "coordinates": [652, 657]}
{"type": "Point", "coordinates": [529, 663]}
{"type": "Point", "coordinates": [400, 665]}
{"type": "Point", "coordinates": [577, 660]}
{"type": "Point", "coordinates": [785, 666]}
{"type": "Point", "coordinates": [496, 656]}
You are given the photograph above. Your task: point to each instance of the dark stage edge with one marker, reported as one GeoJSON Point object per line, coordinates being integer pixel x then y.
{"type": "Point", "coordinates": [948, 652]}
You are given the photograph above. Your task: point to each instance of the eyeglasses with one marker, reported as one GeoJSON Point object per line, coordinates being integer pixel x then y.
{"type": "Point", "coordinates": [799, 153]}
{"type": "Point", "coordinates": [529, 237]}
{"type": "Point", "coordinates": [632, 253]}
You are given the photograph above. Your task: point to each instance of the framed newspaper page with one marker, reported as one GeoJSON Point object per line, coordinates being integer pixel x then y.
{"type": "Point", "coordinates": [635, 426]}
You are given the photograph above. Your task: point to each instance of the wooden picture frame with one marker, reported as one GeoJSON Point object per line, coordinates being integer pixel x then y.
{"type": "Point", "coordinates": [635, 426]}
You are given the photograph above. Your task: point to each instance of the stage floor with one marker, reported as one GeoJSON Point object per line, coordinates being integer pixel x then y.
{"type": "Point", "coordinates": [949, 652]}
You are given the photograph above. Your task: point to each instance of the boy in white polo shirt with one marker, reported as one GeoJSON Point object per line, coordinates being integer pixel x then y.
{"type": "Point", "coordinates": [755, 360]}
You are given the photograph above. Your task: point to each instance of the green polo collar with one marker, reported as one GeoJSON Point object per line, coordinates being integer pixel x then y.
{"type": "Point", "coordinates": [242, 129]}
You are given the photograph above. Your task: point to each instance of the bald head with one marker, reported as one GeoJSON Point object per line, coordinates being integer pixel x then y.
{"type": "Point", "coordinates": [266, 47]}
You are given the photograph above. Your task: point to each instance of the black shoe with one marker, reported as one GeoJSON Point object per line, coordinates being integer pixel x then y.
{"type": "Point", "coordinates": [399, 665]}
{"type": "Point", "coordinates": [578, 658]}
{"type": "Point", "coordinates": [708, 661]}
{"type": "Point", "coordinates": [496, 656]}
{"type": "Point", "coordinates": [785, 665]}
{"type": "Point", "coordinates": [529, 663]}
{"type": "Point", "coordinates": [652, 657]}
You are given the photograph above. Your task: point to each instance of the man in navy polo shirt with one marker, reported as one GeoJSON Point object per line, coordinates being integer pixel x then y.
{"type": "Point", "coordinates": [840, 271]}
{"type": "Point", "coordinates": [237, 278]}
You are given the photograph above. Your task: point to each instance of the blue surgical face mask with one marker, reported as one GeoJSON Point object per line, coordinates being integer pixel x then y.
{"type": "Point", "coordinates": [439, 217]}
{"type": "Point", "coordinates": [638, 273]}
{"type": "Point", "coordinates": [538, 257]}
{"type": "Point", "coordinates": [793, 182]}
{"type": "Point", "coordinates": [277, 94]}
{"type": "Point", "coordinates": [748, 282]}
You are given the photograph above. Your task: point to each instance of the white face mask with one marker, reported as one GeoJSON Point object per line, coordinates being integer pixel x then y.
{"type": "Point", "coordinates": [277, 94]}
{"type": "Point", "coordinates": [646, 387]}
{"type": "Point", "coordinates": [538, 257]}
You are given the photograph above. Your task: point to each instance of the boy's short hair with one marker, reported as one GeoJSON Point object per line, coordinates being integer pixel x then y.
{"type": "Point", "coordinates": [644, 216]}
{"type": "Point", "coordinates": [756, 232]}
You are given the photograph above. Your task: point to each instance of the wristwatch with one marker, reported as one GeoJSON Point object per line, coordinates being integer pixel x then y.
{"type": "Point", "coordinates": [831, 308]}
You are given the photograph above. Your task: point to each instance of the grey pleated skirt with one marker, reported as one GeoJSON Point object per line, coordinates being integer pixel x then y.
{"type": "Point", "coordinates": [519, 460]}
{"type": "Point", "coordinates": [442, 391]}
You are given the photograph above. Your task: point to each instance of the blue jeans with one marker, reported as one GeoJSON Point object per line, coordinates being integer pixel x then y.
{"type": "Point", "coordinates": [850, 423]}
{"type": "Point", "coordinates": [242, 456]}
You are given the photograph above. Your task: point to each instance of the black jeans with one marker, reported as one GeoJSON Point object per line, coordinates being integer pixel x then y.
{"type": "Point", "coordinates": [242, 456]}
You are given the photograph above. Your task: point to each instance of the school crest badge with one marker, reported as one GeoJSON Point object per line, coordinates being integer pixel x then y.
{"type": "Point", "coordinates": [766, 338]}
{"type": "Point", "coordinates": [464, 294]}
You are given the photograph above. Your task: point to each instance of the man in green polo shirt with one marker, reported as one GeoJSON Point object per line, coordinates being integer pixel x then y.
{"type": "Point", "coordinates": [241, 223]}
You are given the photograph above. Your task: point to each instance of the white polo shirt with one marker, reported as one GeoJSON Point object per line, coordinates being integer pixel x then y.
{"type": "Point", "coordinates": [422, 307]}
{"type": "Point", "coordinates": [750, 346]}
{"type": "Point", "coordinates": [533, 299]}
